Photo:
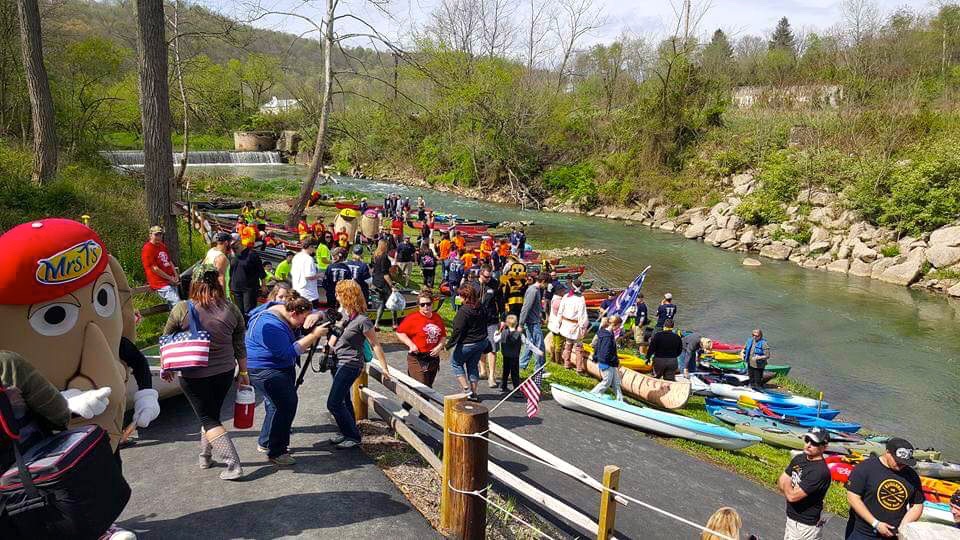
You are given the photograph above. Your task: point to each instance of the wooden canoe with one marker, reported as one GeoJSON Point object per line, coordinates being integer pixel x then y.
{"type": "Point", "coordinates": [658, 392]}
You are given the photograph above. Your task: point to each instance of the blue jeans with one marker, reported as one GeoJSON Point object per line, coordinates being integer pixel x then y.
{"type": "Point", "coordinates": [339, 403]}
{"type": "Point", "coordinates": [534, 334]}
{"type": "Point", "coordinates": [279, 391]}
{"type": "Point", "coordinates": [465, 360]}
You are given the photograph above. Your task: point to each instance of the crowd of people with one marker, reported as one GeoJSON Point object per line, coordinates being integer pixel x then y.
{"type": "Point", "coordinates": [499, 308]}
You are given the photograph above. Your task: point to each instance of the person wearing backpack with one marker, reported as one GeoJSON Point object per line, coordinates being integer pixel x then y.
{"type": "Point", "coordinates": [428, 264]}
{"type": "Point", "coordinates": [207, 387]}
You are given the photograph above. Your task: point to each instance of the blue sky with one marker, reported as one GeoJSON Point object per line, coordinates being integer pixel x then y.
{"type": "Point", "coordinates": [640, 17]}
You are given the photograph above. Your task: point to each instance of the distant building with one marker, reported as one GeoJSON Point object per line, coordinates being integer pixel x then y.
{"type": "Point", "coordinates": [806, 96]}
{"type": "Point", "coordinates": [277, 106]}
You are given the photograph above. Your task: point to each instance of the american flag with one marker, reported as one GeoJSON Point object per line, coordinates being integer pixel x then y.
{"type": "Point", "coordinates": [183, 350]}
{"type": "Point", "coordinates": [531, 389]}
{"type": "Point", "coordinates": [628, 297]}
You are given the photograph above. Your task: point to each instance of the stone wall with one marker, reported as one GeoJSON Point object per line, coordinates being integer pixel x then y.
{"type": "Point", "coordinates": [254, 141]}
{"type": "Point", "coordinates": [840, 241]}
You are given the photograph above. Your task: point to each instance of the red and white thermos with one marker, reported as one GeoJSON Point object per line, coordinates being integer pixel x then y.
{"type": "Point", "coordinates": [243, 407]}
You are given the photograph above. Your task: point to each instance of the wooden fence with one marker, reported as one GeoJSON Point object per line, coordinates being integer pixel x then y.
{"type": "Point", "coordinates": [465, 428]}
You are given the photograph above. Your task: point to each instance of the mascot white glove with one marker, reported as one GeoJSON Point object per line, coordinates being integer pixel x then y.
{"type": "Point", "coordinates": [146, 407]}
{"type": "Point", "coordinates": [87, 404]}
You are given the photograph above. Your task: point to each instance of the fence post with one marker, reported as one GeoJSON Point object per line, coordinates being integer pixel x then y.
{"type": "Point", "coordinates": [359, 401]}
{"type": "Point", "coordinates": [448, 403]}
{"type": "Point", "coordinates": [608, 505]}
{"type": "Point", "coordinates": [467, 470]}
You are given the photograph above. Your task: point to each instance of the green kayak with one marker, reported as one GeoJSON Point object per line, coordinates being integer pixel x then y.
{"type": "Point", "coordinates": [779, 369]}
{"type": "Point", "coordinates": [793, 439]}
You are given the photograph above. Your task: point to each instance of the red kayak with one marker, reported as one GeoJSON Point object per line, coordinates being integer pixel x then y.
{"type": "Point", "coordinates": [465, 229]}
{"type": "Point", "coordinates": [726, 347]}
{"type": "Point", "coordinates": [343, 205]}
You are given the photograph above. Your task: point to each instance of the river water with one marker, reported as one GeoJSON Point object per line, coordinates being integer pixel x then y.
{"type": "Point", "coordinates": [887, 356]}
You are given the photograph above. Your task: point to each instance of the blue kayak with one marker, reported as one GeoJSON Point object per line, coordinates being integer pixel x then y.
{"type": "Point", "coordinates": [799, 422]}
{"type": "Point", "coordinates": [781, 408]}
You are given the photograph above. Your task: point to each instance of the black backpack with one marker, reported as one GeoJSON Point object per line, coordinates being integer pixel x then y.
{"type": "Point", "coordinates": [65, 485]}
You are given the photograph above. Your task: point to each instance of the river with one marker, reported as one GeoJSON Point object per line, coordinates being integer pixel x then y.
{"type": "Point", "coordinates": [887, 356]}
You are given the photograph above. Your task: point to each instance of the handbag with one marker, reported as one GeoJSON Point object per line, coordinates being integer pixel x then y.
{"type": "Point", "coordinates": [187, 349]}
{"type": "Point", "coordinates": [396, 302]}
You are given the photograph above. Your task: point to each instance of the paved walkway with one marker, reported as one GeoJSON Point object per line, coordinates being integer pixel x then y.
{"type": "Point", "coordinates": [329, 493]}
{"type": "Point", "coordinates": [654, 473]}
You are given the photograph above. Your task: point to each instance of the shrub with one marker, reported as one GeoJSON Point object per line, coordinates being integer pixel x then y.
{"type": "Point", "coordinates": [761, 209]}
{"type": "Point", "coordinates": [576, 182]}
{"type": "Point", "coordinates": [890, 250]}
{"type": "Point", "coordinates": [780, 176]}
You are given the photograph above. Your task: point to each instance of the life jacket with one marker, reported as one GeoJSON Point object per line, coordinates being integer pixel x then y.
{"type": "Point", "coordinates": [318, 229]}
{"type": "Point", "coordinates": [248, 236]}
{"type": "Point", "coordinates": [303, 229]}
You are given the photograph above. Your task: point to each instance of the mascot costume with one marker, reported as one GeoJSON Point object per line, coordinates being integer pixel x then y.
{"type": "Point", "coordinates": [64, 305]}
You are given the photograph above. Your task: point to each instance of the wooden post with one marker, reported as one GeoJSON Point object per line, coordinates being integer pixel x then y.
{"type": "Point", "coordinates": [359, 401]}
{"type": "Point", "coordinates": [465, 468]}
{"type": "Point", "coordinates": [448, 403]}
{"type": "Point", "coordinates": [608, 506]}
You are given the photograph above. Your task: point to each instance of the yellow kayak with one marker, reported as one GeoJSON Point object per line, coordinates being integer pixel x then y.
{"type": "Point", "coordinates": [720, 356]}
{"type": "Point", "coordinates": [350, 213]}
{"type": "Point", "coordinates": [629, 361]}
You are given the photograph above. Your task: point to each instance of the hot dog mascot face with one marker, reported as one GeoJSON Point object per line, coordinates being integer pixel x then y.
{"type": "Point", "coordinates": [64, 304]}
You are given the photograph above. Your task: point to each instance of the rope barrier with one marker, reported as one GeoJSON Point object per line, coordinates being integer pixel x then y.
{"type": "Point", "coordinates": [479, 493]}
{"type": "Point", "coordinates": [600, 486]}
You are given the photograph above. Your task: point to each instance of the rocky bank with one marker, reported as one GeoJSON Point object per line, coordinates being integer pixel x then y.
{"type": "Point", "coordinates": [835, 238]}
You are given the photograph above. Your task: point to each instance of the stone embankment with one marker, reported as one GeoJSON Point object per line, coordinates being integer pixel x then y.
{"type": "Point", "coordinates": [820, 233]}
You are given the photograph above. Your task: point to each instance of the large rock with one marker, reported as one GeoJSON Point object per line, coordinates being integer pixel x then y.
{"type": "Point", "coordinates": [819, 247]}
{"type": "Point", "coordinates": [776, 250]}
{"type": "Point", "coordinates": [668, 226]}
{"type": "Point", "coordinates": [860, 268]}
{"type": "Point", "coordinates": [741, 179]}
{"type": "Point", "coordinates": [720, 209]}
{"type": "Point", "coordinates": [720, 236]}
{"type": "Point", "coordinates": [906, 272]}
{"type": "Point", "coordinates": [839, 265]}
{"type": "Point", "coordinates": [660, 213]}
{"type": "Point", "coordinates": [696, 230]}
{"type": "Point", "coordinates": [791, 243]}
{"type": "Point", "coordinates": [744, 189]}
{"type": "Point", "coordinates": [954, 291]}
{"type": "Point", "coordinates": [821, 214]}
{"type": "Point", "coordinates": [844, 252]}
{"type": "Point", "coordinates": [748, 236]}
{"type": "Point", "coordinates": [734, 222]}
{"type": "Point", "coordinates": [946, 236]}
{"type": "Point", "coordinates": [941, 256]}
{"type": "Point", "coordinates": [819, 234]}
{"type": "Point", "coordinates": [864, 253]}
{"type": "Point", "coordinates": [751, 262]}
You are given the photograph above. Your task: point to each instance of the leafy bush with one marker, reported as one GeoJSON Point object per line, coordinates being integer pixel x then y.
{"type": "Point", "coordinates": [760, 209]}
{"type": "Point", "coordinates": [574, 182]}
{"type": "Point", "coordinates": [801, 236]}
{"type": "Point", "coordinates": [890, 250]}
{"type": "Point", "coordinates": [780, 176]}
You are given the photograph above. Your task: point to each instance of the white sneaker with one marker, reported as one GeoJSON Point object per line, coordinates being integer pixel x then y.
{"type": "Point", "coordinates": [337, 439]}
{"type": "Point", "coordinates": [347, 443]}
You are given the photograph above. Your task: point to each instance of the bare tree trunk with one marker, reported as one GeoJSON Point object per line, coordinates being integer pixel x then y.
{"type": "Point", "coordinates": [155, 112]}
{"type": "Point", "coordinates": [41, 102]}
{"type": "Point", "coordinates": [183, 94]}
{"type": "Point", "coordinates": [320, 146]}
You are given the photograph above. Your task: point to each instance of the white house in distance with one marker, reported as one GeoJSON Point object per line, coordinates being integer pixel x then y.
{"type": "Point", "coordinates": [277, 106]}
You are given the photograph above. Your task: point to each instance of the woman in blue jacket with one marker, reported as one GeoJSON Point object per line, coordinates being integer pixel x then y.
{"type": "Point", "coordinates": [272, 350]}
{"type": "Point", "coordinates": [755, 354]}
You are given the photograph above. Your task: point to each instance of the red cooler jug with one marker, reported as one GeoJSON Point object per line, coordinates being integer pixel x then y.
{"type": "Point", "coordinates": [243, 407]}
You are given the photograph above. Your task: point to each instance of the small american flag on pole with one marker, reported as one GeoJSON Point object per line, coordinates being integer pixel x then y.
{"type": "Point", "coordinates": [531, 389]}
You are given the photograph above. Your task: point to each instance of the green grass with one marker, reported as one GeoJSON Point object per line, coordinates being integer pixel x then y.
{"type": "Point", "coordinates": [127, 140]}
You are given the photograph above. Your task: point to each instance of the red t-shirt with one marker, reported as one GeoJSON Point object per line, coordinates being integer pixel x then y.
{"type": "Point", "coordinates": [396, 227]}
{"type": "Point", "coordinates": [156, 255]}
{"type": "Point", "coordinates": [425, 333]}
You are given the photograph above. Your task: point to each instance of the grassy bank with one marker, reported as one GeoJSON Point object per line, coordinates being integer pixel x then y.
{"type": "Point", "coordinates": [127, 140]}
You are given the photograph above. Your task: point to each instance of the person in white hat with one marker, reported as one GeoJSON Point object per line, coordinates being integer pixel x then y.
{"type": "Point", "coordinates": [666, 310]}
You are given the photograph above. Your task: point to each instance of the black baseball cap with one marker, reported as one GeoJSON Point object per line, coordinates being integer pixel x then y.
{"type": "Point", "coordinates": [902, 451]}
{"type": "Point", "coordinates": [358, 249]}
{"type": "Point", "coordinates": [818, 436]}
{"type": "Point", "coordinates": [223, 237]}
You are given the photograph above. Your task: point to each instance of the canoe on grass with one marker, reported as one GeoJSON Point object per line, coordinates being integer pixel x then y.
{"type": "Point", "coordinates": [651, 420]}
{"type": "Point", "coordinates": [629, 361]}
{"type": "Point", "coordinates": [828, 414]}
{"type": "Point", "coordinates": [734, 392]}
{"type": "Point", "coordinates": [658, 392]}
{"type": "Point", "coordinates": [776, 369]}
{"type": "Point", "coordinates": [783, 438]}
{"type": "Point", "coordinates": [164, 389]}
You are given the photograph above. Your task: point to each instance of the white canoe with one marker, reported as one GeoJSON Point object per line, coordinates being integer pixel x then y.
{"type": "Point", "coordinates": [652, 420]}
{"type": "Point", "coordinates": [164, 389]}
{"type": "Point", "coordinates": [734, 392]}
{"type": "Point", "coordinates": [936, 513]}
{"type": "Point", "coordinates": [921, 530]}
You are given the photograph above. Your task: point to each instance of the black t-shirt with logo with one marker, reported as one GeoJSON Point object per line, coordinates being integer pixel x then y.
{"type": "Point", "coordinates": [813, 477]}
{"type": "Point", "coordinates": [887, 493]}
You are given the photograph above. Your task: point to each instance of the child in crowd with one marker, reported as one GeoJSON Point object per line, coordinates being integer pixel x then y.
{"type": "Point", "coordinates": [605, 355]}
{"type": "Point", "coordinates": [268, 269]}
{"type": "Point", "coordinates": [511, 337]}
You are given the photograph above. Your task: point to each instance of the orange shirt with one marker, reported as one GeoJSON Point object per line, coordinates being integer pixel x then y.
{"type": "Point", "coordinates": [460, 242]}
{"type": "Point", "coordinates": [486, 247]}
{"type": "Point", "coordinates": [318, 229]}
{"type": "Point", "coordinates": [303, 229]}
{"type": "Point", "coordinates": [504, 249]}
{"type": "Point", "coordinates": [468, 259]}
{"type": "Point", "coordinates": [445, 248]}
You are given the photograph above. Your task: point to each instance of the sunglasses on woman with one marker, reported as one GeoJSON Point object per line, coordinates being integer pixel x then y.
{"type": "Point", "coordinates": [426, 304]}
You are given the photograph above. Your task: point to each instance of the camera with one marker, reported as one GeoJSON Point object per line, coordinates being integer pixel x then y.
{"type": "Point", "coordinates": [333, 317]}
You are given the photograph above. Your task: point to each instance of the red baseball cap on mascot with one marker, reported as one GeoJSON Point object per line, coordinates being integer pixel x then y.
{"type": "Point", "coordinates": [46, 259]}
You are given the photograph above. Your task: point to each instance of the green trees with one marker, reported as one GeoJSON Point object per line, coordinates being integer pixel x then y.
{"type": "Point", "coordinates": [782, 38]}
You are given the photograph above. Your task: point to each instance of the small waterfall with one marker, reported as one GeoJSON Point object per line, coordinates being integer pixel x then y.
{"type": "Point", "coordinates": [133, 159]}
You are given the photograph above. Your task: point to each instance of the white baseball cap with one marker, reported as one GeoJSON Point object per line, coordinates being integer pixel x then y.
{"type": "Point", "coordinates": [668, 296]}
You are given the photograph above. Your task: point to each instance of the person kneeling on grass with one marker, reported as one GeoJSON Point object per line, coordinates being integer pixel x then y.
{"type": "Point", "coordinates": [605, 355]}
